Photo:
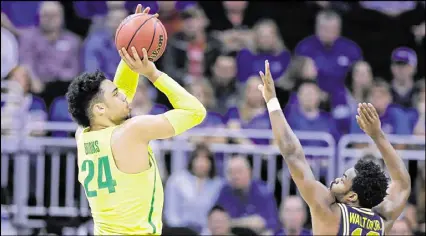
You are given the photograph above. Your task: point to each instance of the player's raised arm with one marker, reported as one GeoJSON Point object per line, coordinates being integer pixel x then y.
{"type": "Point", "coordinates": [400, 186]}
{"type": "Point", "coordinates": [188, 111]}
{"type": "Point", "coordinates": [316, 195]}
{"type": "Point", "coordinates": [125, 78]}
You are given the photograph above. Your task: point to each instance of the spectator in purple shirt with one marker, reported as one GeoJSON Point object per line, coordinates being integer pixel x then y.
{"type": "Point", "coordinates": [345, 102]}
{"type": "Point", "coordinates": [333, 54]}
{"type": "Point", "coordinates": [268, 45]}
{"type": "Point", "coordinates": [99, 51]}
{"type": "Point", "coordinates": [224, 83]}
{"type": "Point", "coordinates": [250, 113]}
{"type": "Point", "coordinates": [51, 51]}
{"type": "Point", "coordinates": [404, 64]}
{"type": "Point", "coordinates": [293, 217]}
{"type": "Point", "coordinates": [394, 120]}
{"type": "Point", "coordinates": [308, 116]}
{"type": "Point", "coordinates": [249, 202]}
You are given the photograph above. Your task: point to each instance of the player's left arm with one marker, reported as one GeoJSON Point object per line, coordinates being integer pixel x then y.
{"type": "Point", "coordinates": [400, 186]}
{"type": "Point", "coordinates": [125, 78]}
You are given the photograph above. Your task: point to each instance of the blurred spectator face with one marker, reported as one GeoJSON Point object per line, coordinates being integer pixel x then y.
{"type": "Point", "coordinates": [239, 175]}
{"type": "Point", "coordinates": [266, 36]}
{"type": "Point", "coordinates": [362, 75]}
{"type": "Point", "coordinates": [201, 164]}
{"type": "Point", "coordinates": [235, 6]}
{"type": "Point", "coordinates": [224, 70]}
{"type": "Point", "coordinates": [51, 16]}
{"type": "Point", "coordinates": [194, 21]}
{"type": "Point", "coordinates": [293, 214]}
{"type": "Point", "coordinates": [219, 223]}
{"type": "Point", "coordinates": [327, 28]}
{"type": "Point", "coordinates": [166, 6]}
{"type": "Point", "coordinates": [401, 227]}
{"type": "Point", "coordinates": [114, 18]}
{"type": "Point", "coordinates": [309, 96]}
{"type": "Point", "coordinates": [252, 94]}
{"type": "Point", "coordinates": [21, 75]}
{"type": "Point", "coordinates": [309, 70]}
{"type": "Point", "coordinates": [402, 71]}
{"type": "Point", "coordinates": [380, 97]}
{"type": "Point", "coordinates": [203, 91]}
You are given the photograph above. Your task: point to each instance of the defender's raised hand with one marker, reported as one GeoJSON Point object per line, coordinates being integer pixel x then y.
{"type": "Point", "coordinates": [368, 119]}
{"type": "Point", "coordinates": [268, 87]}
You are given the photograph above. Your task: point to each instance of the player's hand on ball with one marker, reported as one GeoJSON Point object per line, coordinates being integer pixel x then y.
{"type": "Point", "coordinates": [268, 87]}
{"type": "Point", "coordinates": [143, 66]}
{"type": "Point", "coordinates": [368, 119]}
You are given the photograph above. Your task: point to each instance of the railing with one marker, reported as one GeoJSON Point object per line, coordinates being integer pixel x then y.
{"type": "Point", "coordinates": [41, 163]}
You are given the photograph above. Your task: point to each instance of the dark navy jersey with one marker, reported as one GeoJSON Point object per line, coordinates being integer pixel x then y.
{"type": "Point", "coordinates": [360, 221]}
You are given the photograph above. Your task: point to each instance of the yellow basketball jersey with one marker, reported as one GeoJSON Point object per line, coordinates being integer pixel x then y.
{"type": "Point", "coordinates": [120, 203]}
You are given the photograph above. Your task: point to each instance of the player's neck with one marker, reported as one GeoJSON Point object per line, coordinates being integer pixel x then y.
{"type": "Point", "coordinates": [101, 125]}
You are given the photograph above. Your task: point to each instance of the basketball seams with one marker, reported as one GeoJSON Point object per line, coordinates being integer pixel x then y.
{"type": "Point", "coordinates": [153, 36]}
{"type": "Point", "coordinates": [123, 23]}
{"type": "Point", "coordinates": [137, 31]}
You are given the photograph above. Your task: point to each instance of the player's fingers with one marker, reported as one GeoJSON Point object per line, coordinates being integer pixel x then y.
{"type": "Point", "coordinates": [136, 55]}
{"type": "Point", "coordinates": [369, 112]}
{"type": "Point", "coordinates": [145, 55]}
{"type": "Point", "coordinates": [366, 113]}
{"type": "Point", "coordinates": [373, 110]}
{"type": "Point", "coordinates": [267, 71]}
{"type": "Point", "coordinates": [127, 58]}
{"type": "Point", "coordinates": [146, 10]}
{"type": "Point", "coordinates": [156, 15]}
{"type": "Point", "coordinates": [138, 9]}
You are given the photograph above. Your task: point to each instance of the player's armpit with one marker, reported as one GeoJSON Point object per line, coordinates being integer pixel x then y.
{"type": "Point", "coordinates": [149, 127]}
{"type": "Point", "coordinates": [394, 203]}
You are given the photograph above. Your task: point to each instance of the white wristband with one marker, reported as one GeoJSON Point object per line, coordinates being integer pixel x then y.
{"type": "Point", "coordinates": [273, 105]}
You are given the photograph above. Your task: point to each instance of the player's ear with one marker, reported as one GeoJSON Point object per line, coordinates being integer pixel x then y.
{"type": "Point", "coordinates": [99, 109]}
{"type": "Point", "coordinates": [352, 196]}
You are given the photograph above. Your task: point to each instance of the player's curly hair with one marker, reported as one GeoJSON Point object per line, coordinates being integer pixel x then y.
{"type": "Point", "coordinates": [82, 91]}
{"type": "Point", "coordinates": [370, 183]}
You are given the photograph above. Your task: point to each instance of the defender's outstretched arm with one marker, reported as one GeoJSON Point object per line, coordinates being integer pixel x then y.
{"type": "Point", "coordinates": [316, 195]}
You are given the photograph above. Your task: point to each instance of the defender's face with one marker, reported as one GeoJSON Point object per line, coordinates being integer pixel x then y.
{"type": "Point", "coordinates": [116, 106]}
{"type": "Point", "coordinates": [340, 187]}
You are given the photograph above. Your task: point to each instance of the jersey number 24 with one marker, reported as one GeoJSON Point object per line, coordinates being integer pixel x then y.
{"type": "Point", "coordinates": [103, 170]}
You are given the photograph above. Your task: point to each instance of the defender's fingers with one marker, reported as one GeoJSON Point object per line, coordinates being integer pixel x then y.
{"type": "Point", "coordinates": [267, 71]}
{"type": "Point", "coordinates": [373, 110]}
{"type": "Point", "coordinates": [145, 55]}
{"type": "Point", "coordinates": [360, 122]}
{"type": "Point", "coordinates": [138, 9]}
{"type": "Point", "coordinates": [136, 55]}
{"type": "Point", "coordinates": [262, 76]}
{"type": "Point", "coordinates": [361, 114]}
{"type": "Point", "coordinates": [369, 112]}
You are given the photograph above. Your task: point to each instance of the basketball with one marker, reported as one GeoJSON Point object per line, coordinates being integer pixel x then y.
{"type": "Point", "coordinates": [142, 31]}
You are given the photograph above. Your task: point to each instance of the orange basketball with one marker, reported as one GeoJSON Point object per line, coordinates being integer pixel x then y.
{"type": "Point", "coordinates": [142, 31]}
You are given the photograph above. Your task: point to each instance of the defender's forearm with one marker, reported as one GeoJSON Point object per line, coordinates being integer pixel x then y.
{"type": "Point", "coordinates": [287, 141]}
{"type": "Point", "coordinates": [188, 111]}
{"type": "Point", "coordinates": [126, 80]}
{"type": "Point", "coordinates": [395, 165]}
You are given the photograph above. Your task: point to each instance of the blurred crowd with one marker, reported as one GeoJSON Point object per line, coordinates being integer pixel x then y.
{"type": "Point", "coordinates": [325, 57]}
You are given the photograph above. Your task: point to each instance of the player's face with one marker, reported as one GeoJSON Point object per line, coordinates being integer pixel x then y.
{"type": "Point", "coordinates": [219, 223]}
{"type": "Point", "coordinates": [116, 107]}
{"type": "Point", "coordinates": [341, 187]}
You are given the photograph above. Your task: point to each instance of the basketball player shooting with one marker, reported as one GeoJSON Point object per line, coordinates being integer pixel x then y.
{"type": "Point", "coordinates": [361, 202]}
{"type": "Point", "coordinates": [116, 165]}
